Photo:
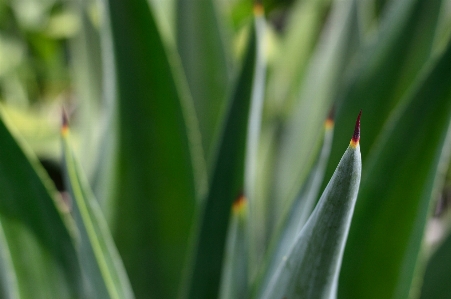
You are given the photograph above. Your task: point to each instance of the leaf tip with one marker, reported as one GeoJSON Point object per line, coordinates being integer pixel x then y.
{"type": "Point", "coordinates": [258, 8]}
{"type": "Point", "coordinates": [356, 137]}
{"type": "Point", "coordinates": [329, 124]}
{"type": "Point", "coordinates": [65, 123]}
{"type": "Point", "coordinates": [239, 204]}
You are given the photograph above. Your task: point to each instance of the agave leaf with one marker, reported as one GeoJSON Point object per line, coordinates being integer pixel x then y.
{"type": "Point", "coordinates": [438, 271]}
{"type": "Point", "coordinates": [8, 279]}
{"type": "Point", "coordinates": [299, 212]}
{"type": "Point", "coordinates": [29, 215]}
{"type": "Point", "coordinates": [38, 274]}
{"type": "Point", "coordinates": [99, 258]}
{"type": "Point", "coordinates": [87, 67]}
{"type": "Point", "coordinates": [299, 145]}
{"type": "Point", "coordinates": [251, 189]}
{"type": "Point", "coordinates": [204, 56]}
{"type": "Point", "coordinates": [403, 174]}
{"type": "Point", "coordinates": [158, 142]}
{"type": "Point", "coordinates": [297, 44]}
{"type": "Point", "coordinates": [235, 272]}
{"type": "Point", "coordinates": [105, 171]}
{"type": "Point", "coordinates": [226, 184]}
{"type": "Point", "coordinates": [386, 67]}
{"type": "Point", "coordinates": [311, 267]}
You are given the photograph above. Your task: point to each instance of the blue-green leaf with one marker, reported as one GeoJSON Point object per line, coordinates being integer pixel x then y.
{"type": "Point", "coordinates": [105, 273]}
{"type": "Point", "coordinates": [402, 175]}
{"type": "Point", "coordinates": [311, 267]}
{"type": "Point", "coordinates": [226, 184]}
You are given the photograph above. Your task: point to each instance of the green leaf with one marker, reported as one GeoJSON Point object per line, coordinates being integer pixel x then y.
{"type": "Point", "coordinates": [402, 175]}
{"type": "Point", "coordinates": [38, 273]}
{"type": "Point", "coordinates": [299, 212]}
{"type": "Point", "coordinates": [226, 184]}
{"type": "Point", "coordinates": [203, 53]}
{"type": "Point", "coordinates": [311, 267]}
{"type": "Point", "coordinates": [235, 272]}
{"type": "Point", "coordinates": [297, 45]}
{"type": "Point", "coordinates": [438, 271]}
{"type": "Point", "coordinates": [27, 200]}
{"type": "Point", "coordinates": [385, 68]}
{"type": "Point", "coordinates": [300, 140]}
{"type": "Point", "coordinates": [158, 142]}
{"type": "Point", "coordinates": [252, 157]}
{"type": "Point", "coordinates": [87, 68]}
{"type": "Point", "coordinates": [8, 278]}
{"type": "Point", "coordinates": [99, 258]}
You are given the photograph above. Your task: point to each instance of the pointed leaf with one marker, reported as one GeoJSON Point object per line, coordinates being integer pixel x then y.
{"type": "Point", "coordinates": [387, 66]}
{"type": "Point", "coordinates": [311, 267]}
{"type": "Point", "coordinates": [302, 31]}
{"type": "Point", "coordinates": [226, 184]}
{"type": "Point", "coordinates": [99, 258]}
{"type": "Point", "coordinates": [299, 211]}
{"type": "Point", "coordinates": [158, 142]}
{"type": "Point", "coordinates": [252, 158]}
{"type": "Point", "coordinates": [203, 53]}
{"type": "Point", "coordinates": [299, 147]}
{"type": "Point", "coordinates": [235, 272]}
{"type": "Point", "coordinates": [402, 175]}
{"type": "Point", "coordinates": [27, 198]}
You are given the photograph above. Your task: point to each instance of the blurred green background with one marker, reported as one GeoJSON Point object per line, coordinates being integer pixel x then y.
{"type": "Point", "coordinates": [147, 86]}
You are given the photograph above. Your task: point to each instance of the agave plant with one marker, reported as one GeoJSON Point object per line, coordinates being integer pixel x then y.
{"type": "Point", "coordinates": [205, 150]}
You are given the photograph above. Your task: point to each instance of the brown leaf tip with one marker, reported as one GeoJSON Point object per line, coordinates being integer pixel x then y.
{"type": "Point", "coordinates": [65, 122]}
{"type": "Point", "coordinates": [329, 124]}
{"type": "Point", "coordinates": [356, 137]}
{"type": "Point", "coordinates": [239, 204]}
{"type": "Point", "coordinates": [258, 8]}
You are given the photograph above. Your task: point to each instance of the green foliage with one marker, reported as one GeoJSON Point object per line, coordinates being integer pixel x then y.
{"type": "Point", "coordinates": [198, 164]}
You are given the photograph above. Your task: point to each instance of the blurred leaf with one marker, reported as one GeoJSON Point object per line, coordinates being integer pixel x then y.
{"type": "Point", "coordinates": [156, 198]}
{"type": "Point", "coordinates": [8, 279]}
{"type": "Point", "coordinates": [38, 128]}
{"type": "Point", "coordinates": [226, 184]}
{"type": "Point", "coordinates": [38, 273]}
{"type": "Point", "coordinates": [87, 76]}
{"type": "Point", "coordinates": [105, 172]}
{"type": "Point", "coordinates": [26, 199]}
{"type": "Point", "coordinates": [98, 255]}
{"type": "Point", "coordinates": [302, 31]}
{"type": "Point", "coordinates": [201, 46]}
{"type": "Point", "coordinates": [384, 69]}
{"type": "Point", "coordinates": [311, 267]}
{"type": "Point", "coordinates": [402, 175]}
{"type": "Point", "coordinates": [300, 140]}
{"type": "Point", "coordinates": [299, 211]}
{"type": "Point", "coordinates": [438, 271]}
{"type": "Point", "coordinates": [235, 272]}
{"type": "Point", "coordinates": [251, 187]}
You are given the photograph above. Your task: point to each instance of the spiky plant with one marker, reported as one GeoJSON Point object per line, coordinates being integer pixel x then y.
{"type": "Point", "coordinates": [204, 150]}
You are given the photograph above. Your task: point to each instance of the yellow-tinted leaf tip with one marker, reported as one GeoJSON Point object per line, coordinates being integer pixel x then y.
{"type": "Point", "coordinates": [258, 8]}
{"type": "Point", "coordinates": [356, 137]}
{"type": "Point", "coordinates": [329, 124]}
{"type": "Point", "coordinates": [65, 123]}
{"type": "Point", "coordinates": [239, 205]}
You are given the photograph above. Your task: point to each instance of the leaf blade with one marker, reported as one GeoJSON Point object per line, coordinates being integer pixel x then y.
{"type": "Point", "coordinates": [421, 125]}
{"type": "Point", "coordinates": [151, 104]}
{"type": "Point", "coordinates": [99, 256]}
{"type": "Point", "coordinates": [312, 266]}
{"type": "Point", "coordinates": [27, 198]}
{"type": "Point", "coordinates": [227, 182]}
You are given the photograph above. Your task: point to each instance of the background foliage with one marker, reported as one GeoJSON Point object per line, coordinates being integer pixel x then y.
{"type": "Point", "coordinates": [177, 108]}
